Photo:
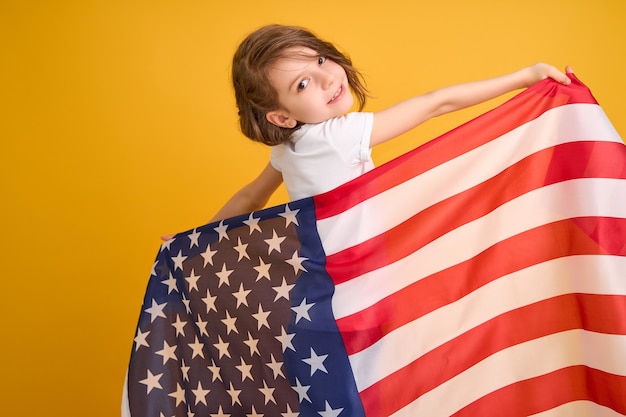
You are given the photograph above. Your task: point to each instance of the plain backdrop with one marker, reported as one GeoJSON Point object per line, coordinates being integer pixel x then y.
{"type": "Point", "coordinates": [118, 124]}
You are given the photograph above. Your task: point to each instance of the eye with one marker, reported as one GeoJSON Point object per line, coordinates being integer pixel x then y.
{"type": "Point", "coordinates": [302, 84]}
{"type": "Point", "coordinates": [321, 60]}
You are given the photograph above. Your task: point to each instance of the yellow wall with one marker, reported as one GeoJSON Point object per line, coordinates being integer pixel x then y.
{"type": "Point", "coordinates": [117, 124]}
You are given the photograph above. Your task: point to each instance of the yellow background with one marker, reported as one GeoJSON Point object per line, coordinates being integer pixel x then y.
{"type": "Point", "coordinates": [117, 125]}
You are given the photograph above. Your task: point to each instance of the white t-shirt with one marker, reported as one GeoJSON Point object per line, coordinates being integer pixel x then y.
{"type": "Point", "coordinates": [322, 156]}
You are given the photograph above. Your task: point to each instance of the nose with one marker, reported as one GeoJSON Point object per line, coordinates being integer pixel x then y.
{"type": "Point", "coordinates": [327, 79]}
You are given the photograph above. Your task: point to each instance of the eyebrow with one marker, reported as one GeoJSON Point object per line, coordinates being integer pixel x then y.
{"type": "Point", "coordinates": [307, 58]}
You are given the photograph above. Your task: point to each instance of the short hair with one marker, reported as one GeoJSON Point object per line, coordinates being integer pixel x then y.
{"type": "Point", "coordinates": [255, 95]}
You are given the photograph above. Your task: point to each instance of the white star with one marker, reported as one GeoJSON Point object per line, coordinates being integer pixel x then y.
{"type": "Point", "coordinates": [296, 262]}
{"type": "Point", "coordinates": [202, 326]}
{"type": "Point", "coordinates": [220, 413]}
{"type": "Point", "coordinates": [153, 272]}
{"type": "Point", "coordinates": [209, 300]}
{"type": "Point", "coordinates": [167, 243]}
{"type": "Point", "coordinates": [179, 326]}
{"type": "Point", "coordinates": [252, 344]}
{"type": "Point", "coordinates": [185, 370]}
{"type": "Point", "coordinates": [197, 348]}
{"type": "Point", "coordinates": [263, 270]}
{"type": "Point", "coordinates": [241, 296]}
{"type": "Point", "coordinates": [302, 311]}
{"type": "Point", "coordinates": [187, 303]}
{"type": "Point", "coordinates": [254, 413]}
{"type": "Point", "coordinates": [171, 284]}
{"type": "Point", "coordinates": [268, 393]}
{"type": "Point", "coordinates": [140, 339]}
{"type": "Point", "coordinates": [283, 290]}
{"type": "Point", "coordinates": [178, 260]}
{"type": "Point", "coordinates": [242, 249]}
{"type": "Point", "coordinates": [301, 390]}
{"type": "Point", "coordinates": [221, 229]}
{"type": "Point", "coordinates": [234, 394]}
{"type": "Point", "coordinates": [224, 274]}
{"type": "Point", "coordinates": [289, 413]}
{"type": "Point", "coordinates": [208, 255]}
{"type": "Point", "coordinates": [276, 367]}
{"type": "Point", "coordinates": [193, 237]}
{"type": "Point", "coordinates": [274, 242]}
{"type": "Point", "coordinates": [253, 223]}
{"type": "Point", "coordinates": [229, 322]}
{"type": "Point", "coordinates": [222, 347]}
{"type": "Point", "coordinates": [261, 318]}
{"type": "Point", "coordinates": [152, 381]}
{"type": "Point", "coordinates": [200, 394]}
{"type": "Point", "coordinates": [329, 412]}
{"type": "Point", "coordinates": [290, 216]}
{"type": "Point", "coordinates": [285, 339]}
{"type": "Point", "coordinates": [156, 310]}
{"type": "Point", "coordinates": [215, 371]}
{"type": "Point", "coordinates": [192, 279]}
{"type": "Point", "coordinates": [167, 352]}
{"type": "Point", "coordinates": [246, 370]}
{"type": "Point", "coordinates": [316, 362]}
{"type": "Point", "coordinates": [179, 394]}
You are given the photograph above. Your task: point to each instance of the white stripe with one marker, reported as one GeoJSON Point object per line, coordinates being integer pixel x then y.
{"type": "Point", "coordinates": [537, 357]}
{"type": "Point", "coordinates": [580, 409]}
{"type": "Point", "coordinates": [591, 274]}
{"type": "Point", "coordinates": [593, 196]}
{"type": "Point", "coordinates": [570, 123]}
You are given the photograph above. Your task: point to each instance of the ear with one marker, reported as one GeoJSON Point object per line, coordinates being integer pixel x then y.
{"type": "Point", "coordinates": [280, 119]}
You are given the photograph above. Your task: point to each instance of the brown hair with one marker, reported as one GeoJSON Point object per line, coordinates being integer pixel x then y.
{"type": "Point", "coordinates": [254, 93]}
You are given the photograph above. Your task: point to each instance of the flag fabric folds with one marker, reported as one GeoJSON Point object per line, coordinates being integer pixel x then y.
{"type": "Point", "coordinates": [481, 274]}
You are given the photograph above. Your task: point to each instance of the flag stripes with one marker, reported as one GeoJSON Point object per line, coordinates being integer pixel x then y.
{"type": "Point", "coordinates": [521, 363]}
{"type": "Point", "coordinates": [518, 253]}
{"type": "Point", "coordinates": [504, 236]}
{"type": "Point", "coordinates": [481, 342]}
{"type": "Point", "coordinates": [576, 122]}
{"type": "Point", "coordinates": [601, 160]}
{"type": "Point", "coordinates": [514, 291]}
{"type": "Point", "coordinates": [572, 383]}
{"type": "Point", "coordinates": [604, 198]}
{"type": "Point", "coordinates": [524, 108]}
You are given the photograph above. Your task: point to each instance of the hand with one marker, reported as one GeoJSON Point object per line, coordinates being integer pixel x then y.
{"type": "Point", "coordinates": [541, 71]}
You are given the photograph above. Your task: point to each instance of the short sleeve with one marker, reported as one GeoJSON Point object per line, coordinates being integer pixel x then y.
{"type": "Point", "coordinates": [350, 135]}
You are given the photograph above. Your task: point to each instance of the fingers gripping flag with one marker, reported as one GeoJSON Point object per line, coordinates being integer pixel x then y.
{"type": "Point", "coordinates": [482, 274]}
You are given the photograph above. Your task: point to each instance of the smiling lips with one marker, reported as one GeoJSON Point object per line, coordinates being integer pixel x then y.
{"type": "Point", "coordinates": [337, 95]}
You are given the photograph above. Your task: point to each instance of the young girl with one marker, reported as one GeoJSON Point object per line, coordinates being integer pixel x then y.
{"type": "Point", "coordinates": [294, 92]}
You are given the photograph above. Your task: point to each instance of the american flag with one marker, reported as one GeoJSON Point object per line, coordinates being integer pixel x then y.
{"type": "Point", "coordinates": [481, 274]}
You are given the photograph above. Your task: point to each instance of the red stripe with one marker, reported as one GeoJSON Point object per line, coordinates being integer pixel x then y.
{"type": "Point", "coordinates": [520, 109]}
{"type": "Point", "coordinates": [561, 163]}
{"type": "Point", "coordinates": [552, 390]}
{"type": "Point", "coordinates": [550, 241]}
{"type": "Point", "coordinates": [596, 313]}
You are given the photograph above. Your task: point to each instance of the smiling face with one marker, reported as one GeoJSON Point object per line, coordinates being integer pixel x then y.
{"type": "Point", "coordinates": [310, 88]}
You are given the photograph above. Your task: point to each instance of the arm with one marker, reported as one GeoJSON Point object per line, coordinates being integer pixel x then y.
{"type": "Point", "coordinates": [253, 196]}
{"type": "Point", "coordinates": [408, 114]}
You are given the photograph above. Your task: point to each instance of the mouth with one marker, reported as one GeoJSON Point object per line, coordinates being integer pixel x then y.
{"type": "Point", "coordinates": [337, 95]}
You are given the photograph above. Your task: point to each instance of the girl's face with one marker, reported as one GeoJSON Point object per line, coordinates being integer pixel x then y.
{"type": "Point", "coordinates": [311, 88]}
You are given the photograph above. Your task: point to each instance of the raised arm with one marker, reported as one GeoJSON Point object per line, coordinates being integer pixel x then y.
{"type": "Point", "coordinates": [408, 114]}
{"type": "Point", "coordinates": [253, 196]}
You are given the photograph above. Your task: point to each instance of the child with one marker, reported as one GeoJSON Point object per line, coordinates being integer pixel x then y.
{"type": "Point", "coordinates": [294, 92]}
